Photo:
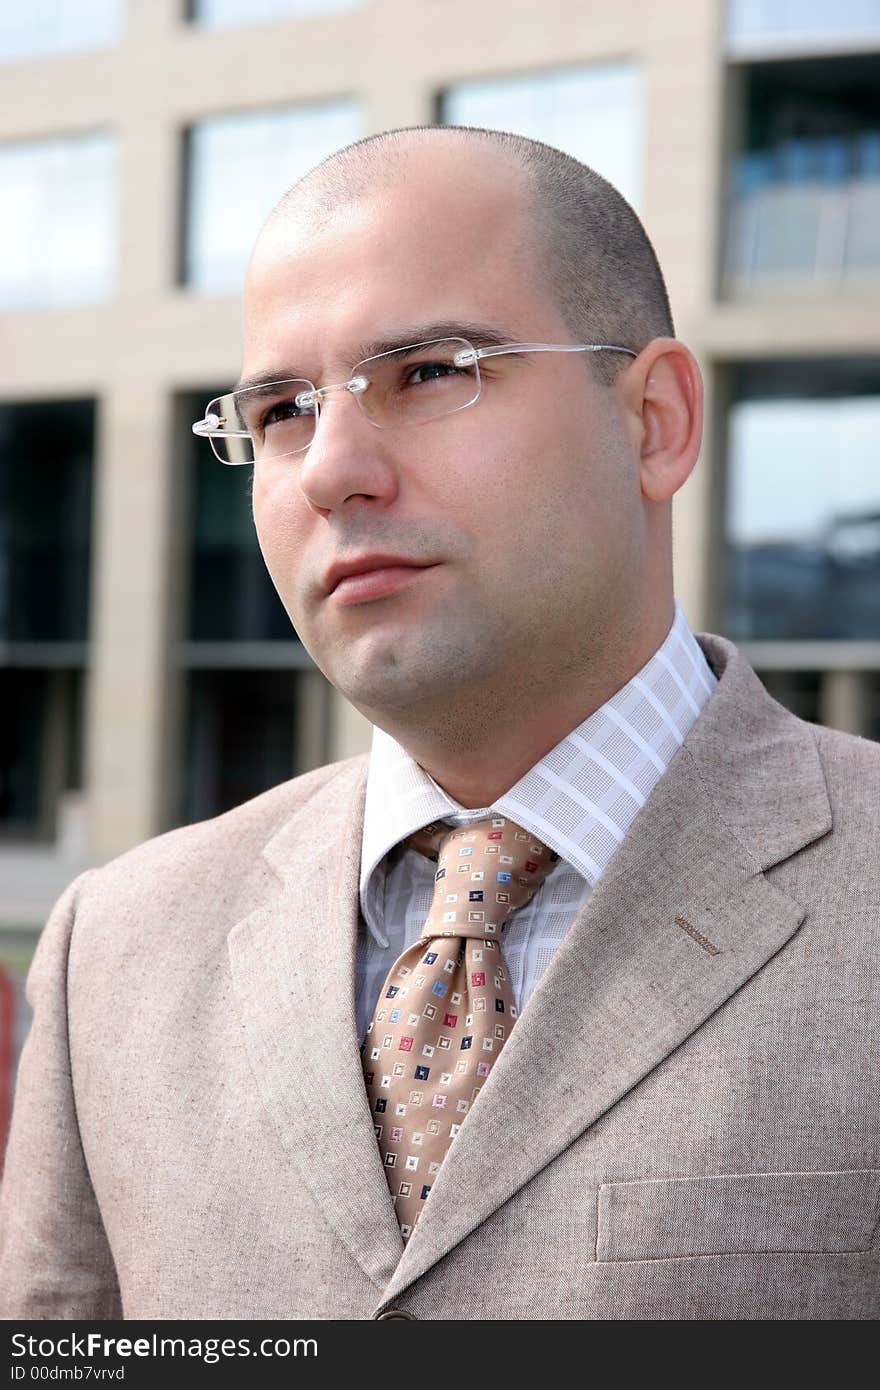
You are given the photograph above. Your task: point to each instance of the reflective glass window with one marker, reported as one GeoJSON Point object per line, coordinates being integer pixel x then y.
{"type": "Point", "coordinates": [593, 113]}
{"type": "Point", "coordinates": [804, 203]}
{"type": "Point", "coordinates": [223, 12]}
{"type": "Point", "coordinates": [803, 502]}
{"type": "Point", "coordinates": [42, 28]}
{"type": "Point", "coordinates": [798, 23]}
{"type": "Point", "coordinates": [238, 166]}
{"type": "Point", "coordinates": [57, 221]}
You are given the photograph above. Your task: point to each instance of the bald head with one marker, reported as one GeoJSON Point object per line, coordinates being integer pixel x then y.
{"type": "Point", "coordinates": [580, 235]}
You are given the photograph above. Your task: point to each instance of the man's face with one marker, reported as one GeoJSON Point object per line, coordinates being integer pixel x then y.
{"type": "Point", "coordinates": [516, 520]}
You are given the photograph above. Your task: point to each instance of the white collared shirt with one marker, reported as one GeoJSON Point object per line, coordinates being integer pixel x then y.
{"type": "Point", "coordinates": [581, 799]}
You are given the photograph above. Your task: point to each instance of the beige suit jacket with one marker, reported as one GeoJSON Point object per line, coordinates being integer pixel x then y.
{"type": "Point", "coordinates": [685, 1122]}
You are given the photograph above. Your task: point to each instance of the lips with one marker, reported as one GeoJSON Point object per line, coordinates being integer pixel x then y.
{"type": "Point", "coordinates": [367, 564]}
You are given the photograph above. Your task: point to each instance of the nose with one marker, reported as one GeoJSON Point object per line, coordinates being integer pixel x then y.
{"type": "Point", "coordinates": [348, 463]}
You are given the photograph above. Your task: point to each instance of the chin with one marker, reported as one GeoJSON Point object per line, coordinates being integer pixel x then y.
{"type": "Point", "coordinates": [389, 693]}
{"type": "Point", "coordinates": [387, 685]}
{"type": "Point", "coordinates": [398, 671]}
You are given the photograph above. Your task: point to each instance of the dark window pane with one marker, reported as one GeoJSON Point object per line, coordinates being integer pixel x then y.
{"type": "Point", "coordinates": [41, 741]}
{"type": "Point", "coordinates": [240, 737]}
{"type": "Point", "coordinates": [46, 452]}
{"type": "Point", "coordinates": [799, 691]}
{"type": "Point", "coordinates": [23, 706]}
{"type": "Point", "coordinates": [232, 597]}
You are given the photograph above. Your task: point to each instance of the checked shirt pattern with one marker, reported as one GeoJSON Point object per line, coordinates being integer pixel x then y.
{"type": "Point", "coordinates": [446, 1007]}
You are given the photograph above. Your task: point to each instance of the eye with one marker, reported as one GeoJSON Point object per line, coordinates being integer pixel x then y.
{"type": "Point", "coordinates": [429, 371]}
{"type": "Point", "coordinates": [282, 410]}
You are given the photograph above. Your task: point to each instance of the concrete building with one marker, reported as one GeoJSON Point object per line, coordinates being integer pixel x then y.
{"type": "Point", "coordinates": [149, 675]}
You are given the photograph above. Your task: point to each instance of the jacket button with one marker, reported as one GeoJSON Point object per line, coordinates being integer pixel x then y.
{"type": "Point", "coordinates": [396, 1313]}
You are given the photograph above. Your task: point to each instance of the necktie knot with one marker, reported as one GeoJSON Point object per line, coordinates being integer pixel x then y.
{"type": "Point", "coordinates": [485, 871]}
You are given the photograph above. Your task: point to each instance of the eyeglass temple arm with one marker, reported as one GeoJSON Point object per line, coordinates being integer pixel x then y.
{"type": "Point", "coordinates": [469, 356]}
{"type": "Point", "coordinates": [546, 347]}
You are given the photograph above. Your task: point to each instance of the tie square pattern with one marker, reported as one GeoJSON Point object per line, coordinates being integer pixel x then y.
{"type": "Point", "coordinates": [452, 996]}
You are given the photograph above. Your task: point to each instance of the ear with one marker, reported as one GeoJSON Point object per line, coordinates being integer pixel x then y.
{"type": "Point", "coordinates": [662, 393]}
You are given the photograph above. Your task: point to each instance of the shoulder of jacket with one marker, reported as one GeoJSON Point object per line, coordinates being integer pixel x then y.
{"type": "Point", "coordinates": [235, 837]}
{"type": "Point", "coordinates": [850, 752]}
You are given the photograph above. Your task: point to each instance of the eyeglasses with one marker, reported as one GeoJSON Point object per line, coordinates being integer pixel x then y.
{"type": "Point", "coordinates": [407, 386]}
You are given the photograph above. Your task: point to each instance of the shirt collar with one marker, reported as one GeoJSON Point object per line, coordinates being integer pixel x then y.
{"type": "Point", "coordinates": [582, 796]}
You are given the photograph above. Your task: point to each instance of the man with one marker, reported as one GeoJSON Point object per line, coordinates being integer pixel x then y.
{"type": "Point", "coordinates": [236, 1101]}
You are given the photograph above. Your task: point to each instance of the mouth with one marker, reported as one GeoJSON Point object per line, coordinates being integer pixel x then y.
{"type": "Point", "coordinates": [372, 577]}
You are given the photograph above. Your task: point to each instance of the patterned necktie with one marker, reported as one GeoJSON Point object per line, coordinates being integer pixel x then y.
{"type": "Point", "coordinates": [446, 1007]}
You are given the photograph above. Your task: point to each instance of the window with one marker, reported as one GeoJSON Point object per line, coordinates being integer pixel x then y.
{"type": "Point", "coordinates": [799, 691]}
{"type": "Point", "coordinates": [804, 209]}
{"type": "Point", "coordinates": [238, 166]}
{"type": "Point", "coordinates": [241, 737]}
{"type": "Point", "coordinates": [223, 12]}
{"type": "Point", "coordinates": [803, 502]}
{"type": "Point", "coordinates": [41, 748]}
{"type": "Point", "coordinates": [42, 28]}
{"type": "Point", "coordinates": [798, 25]}
{"type": "Point", "coordinates": [57, 221]}
{"type": "Point", "coordinates": [593, 113]}
{"type": "Point", "coordinates": [257, 708]}
{"type": "Point", "coordinates": [45, 537]}
{"type": "Point", "coordinates": [231, 597]}
{"type": "Point", "coordinates": [45, 520]}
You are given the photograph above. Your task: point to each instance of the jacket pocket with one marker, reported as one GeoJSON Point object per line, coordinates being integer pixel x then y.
{"type": "Point", "coordinates": [727, 1214]}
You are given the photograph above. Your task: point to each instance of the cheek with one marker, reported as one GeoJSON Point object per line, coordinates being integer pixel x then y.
{"type": "Point", "coordinates": [278, 521]}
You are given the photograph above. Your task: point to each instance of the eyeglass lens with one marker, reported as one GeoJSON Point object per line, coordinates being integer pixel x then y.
{"type": "Point", "coordinates": [407, 386]}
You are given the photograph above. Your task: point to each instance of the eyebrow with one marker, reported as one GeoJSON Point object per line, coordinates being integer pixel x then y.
{"type": "Point", "coordinates": [479, 334]}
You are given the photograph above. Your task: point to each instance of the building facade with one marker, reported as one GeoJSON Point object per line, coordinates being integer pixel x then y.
{"type": "Point", "coordinates": [149, 674]}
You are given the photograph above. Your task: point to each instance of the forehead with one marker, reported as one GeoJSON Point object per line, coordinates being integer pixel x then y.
{"type": "Point", "coordinates": [435, 240]}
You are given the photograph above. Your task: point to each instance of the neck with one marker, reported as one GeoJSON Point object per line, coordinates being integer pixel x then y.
{"type": "Point", "coordinates": [477, 749]}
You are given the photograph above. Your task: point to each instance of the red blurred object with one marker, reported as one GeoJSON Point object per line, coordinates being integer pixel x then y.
{"type": "Point", "coordinates": [7, 1027]}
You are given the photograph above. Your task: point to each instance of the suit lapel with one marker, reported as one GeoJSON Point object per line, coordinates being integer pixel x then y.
{"type": "Point", "coordinates": [293, 969]}
{"type": "Point", "coordinates": [682, 918]}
